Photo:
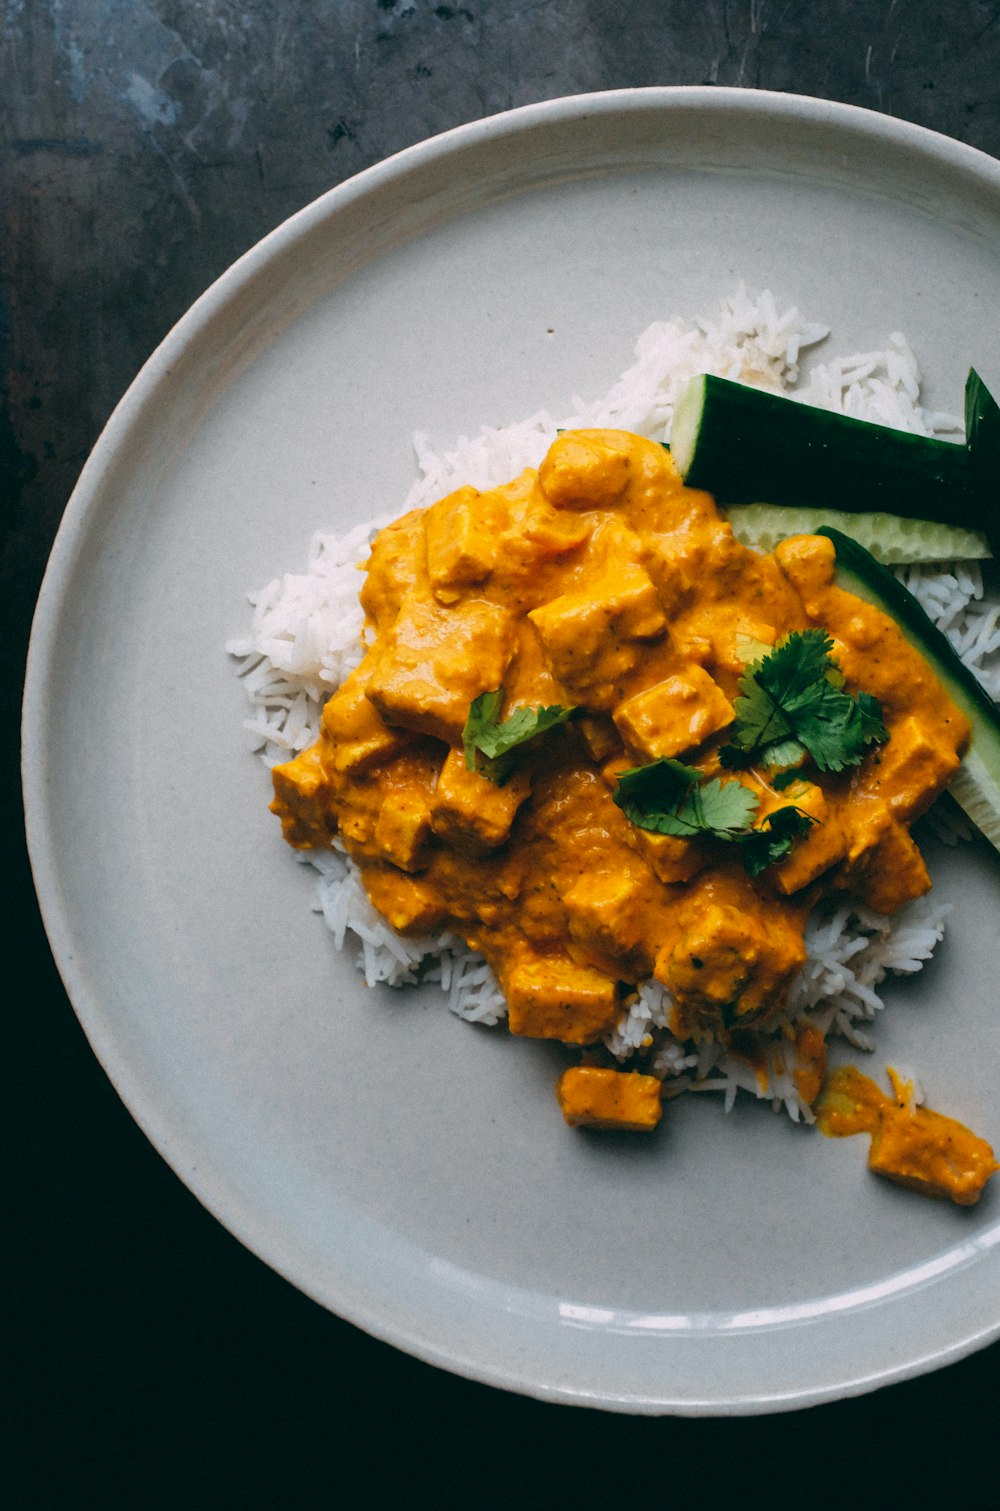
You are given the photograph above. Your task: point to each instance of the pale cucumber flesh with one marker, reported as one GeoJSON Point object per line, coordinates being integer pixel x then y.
{"type": "Point", "coordinates": [892, 540]}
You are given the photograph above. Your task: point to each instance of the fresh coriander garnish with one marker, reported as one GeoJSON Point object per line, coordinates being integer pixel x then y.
{"type": "Point", "coordinates": [793, 705]}
{"type": "Point", "coordinates": [668, 797]}
{"type": "Point", "coordinates": [488, 741]}
{"type": "Point", "coordinates": [773, 838]}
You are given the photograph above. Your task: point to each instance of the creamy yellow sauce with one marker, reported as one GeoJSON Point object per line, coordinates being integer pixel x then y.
{"type": "Point", "coordinates": [912, 1145]}
{"type": "Point", "coordinates": [600, 582]}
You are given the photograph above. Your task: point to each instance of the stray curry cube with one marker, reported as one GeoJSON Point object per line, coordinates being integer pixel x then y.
{"type": "Point", "coordinates": [935, 1155]}
{"type": "Point", "coordinates": [593, 1097]}
{"type": "Point", "coordinates": [916, 1147]}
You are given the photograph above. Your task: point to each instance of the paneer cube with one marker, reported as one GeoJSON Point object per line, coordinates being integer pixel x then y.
{"type": "Point", "coordinates": [472, 813]}
{"type": "Point", "coordinates": [593, 1097]}
{"type": "Point", "coordinates": [605, 913]}
{"type": "Point", "coordinates": [912, 769]}
{"type": "Point", "coordinates": [674, 715]}
{"type": "Point", "coordinates": [299, 786]}
{"type": "Point", "coordinates": [461, 542]}
{"type": "Point", "coordinates": [437, 660]}
{"type": "Point", "coordinates": [670, 858]}
{"type": "Point", "coordinates": [884, 867]}
{"type": "Point", "coordinates": [599, 735]}
{"type": "Point", "coordinates": [551, 997]}
{"type": "Point", "coordinates": [584, 470]}
{"type": "Point", "coordinates": [409, 904]}
{"type": "Point", "coordinates": [821, 847]}
{"type": "Point", "coordinates": [932, 1154]}
{"type": "Point", "coordinates": [730, 960]}
{"type": "Point", "coordinates": [403, 828]}
{"type": "Point", "coordinates": [356, 737]}
{"type": "Point", "coordinates": [592, 639]}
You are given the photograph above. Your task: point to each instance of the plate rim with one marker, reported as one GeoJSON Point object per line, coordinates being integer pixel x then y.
{"type": "Point", "coordinates": [72, 533]}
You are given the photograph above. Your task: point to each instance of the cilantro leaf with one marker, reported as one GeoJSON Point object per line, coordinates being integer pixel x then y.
{"type": "Point", "coordinates": [670, 798]}
{"type": "Point", "coordinates": [793, 705]}
{"type": "Point", "coordinates": [492, 739]}
{"type": "Point", "coordinates": [773, 838]}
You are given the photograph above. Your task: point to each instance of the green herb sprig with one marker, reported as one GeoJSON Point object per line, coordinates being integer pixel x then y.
{"type": "Point", "coordinates": [667, 797]}
{"type": "Point", "coordinates": [489, 743]}
{"type": "Point", "coordinates": [793, 705]}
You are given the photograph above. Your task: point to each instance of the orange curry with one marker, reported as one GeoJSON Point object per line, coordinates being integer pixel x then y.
{"type": "Point", "coordinates": [912, 1145]}
{"type": "Point", "coordinates": [599, 582]}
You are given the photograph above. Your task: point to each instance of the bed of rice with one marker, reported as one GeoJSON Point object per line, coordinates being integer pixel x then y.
{"type": "Point", "coordinates": [305, 636]}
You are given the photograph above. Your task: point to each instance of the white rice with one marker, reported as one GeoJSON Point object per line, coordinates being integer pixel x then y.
{"type": "Point", "coordinates": [306, 635]}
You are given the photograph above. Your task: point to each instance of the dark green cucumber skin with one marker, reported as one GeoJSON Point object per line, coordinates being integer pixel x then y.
{"type": "Point", "coordinates": [755, 445]}
{"type": "Point", "coordinates": [859, 572]}
{"type": "Point", "coordinates": [982, 440]}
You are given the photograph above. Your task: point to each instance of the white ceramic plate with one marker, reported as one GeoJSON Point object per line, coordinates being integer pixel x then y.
{"type": "Point", "coordinates": [409, 1172]}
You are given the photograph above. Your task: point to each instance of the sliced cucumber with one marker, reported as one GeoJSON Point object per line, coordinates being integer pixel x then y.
{"type": "Point", "coordinates": [743, 444]}
{"type": "Point", "coordinates": [976, 786]}
{"type": "Point", "coordinates": [892, 540]}
{"type": "Point", "coordinates": [982, 440]}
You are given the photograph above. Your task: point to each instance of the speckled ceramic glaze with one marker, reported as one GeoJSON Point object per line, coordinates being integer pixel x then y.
{"type": "Point", "coordinates": [408, 1171]}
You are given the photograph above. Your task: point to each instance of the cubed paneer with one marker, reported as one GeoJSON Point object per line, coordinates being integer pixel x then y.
{"type": "Point", "coordinates": [357, 737]}
{"type": "Point", "coordinates": [403, 828]}
{"type": "Point", "coordinates": [584, 470]}
{"type": "Point", "coordinates": [437, 660]}
{"type": "Point", "coordinates": [397, 558]}
{"type": "Point", "coordinates": [593, 1097]}
{"type": "Point", "coordinates": [605, 913]}
{"type": "Point", "coordinates": [409, 904]}
{"type": "Point", "coordinates": [599, 735]}
{"type": "Point", "coordinates": [470, 812]}
{"type": "Point", "coordinates": [592, 639]}
{"type": "Point", "coordinates": [821, 847]}
{"type": "Point", "coordinates": [551, 997]}
{"type": "Point", "coordinates": [299, 786]}
{"type": "Point", "coordinates": [670, 858]}
{"type": "Point", "coordinates": [884, 867]}
{"type": "Point", "coordinates": [461, 542]}
{"type": "Point", "coordinates": [674, 715]}
{"type": "Point", "coordinates": [911, 769]}
{"type": "Point", "coordinates": [728, 958]}
{"type": "Point", "coordinates": [932, 1154]}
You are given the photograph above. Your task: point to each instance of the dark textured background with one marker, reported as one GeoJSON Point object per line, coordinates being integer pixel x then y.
{"type": "Point", "coordinates": [144, 144]}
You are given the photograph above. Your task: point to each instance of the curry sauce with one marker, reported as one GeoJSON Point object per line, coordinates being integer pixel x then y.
{"type": "Point", "coordinates": [913, 1145]}
{"type": "Point", "coordinates": [600, 583]}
